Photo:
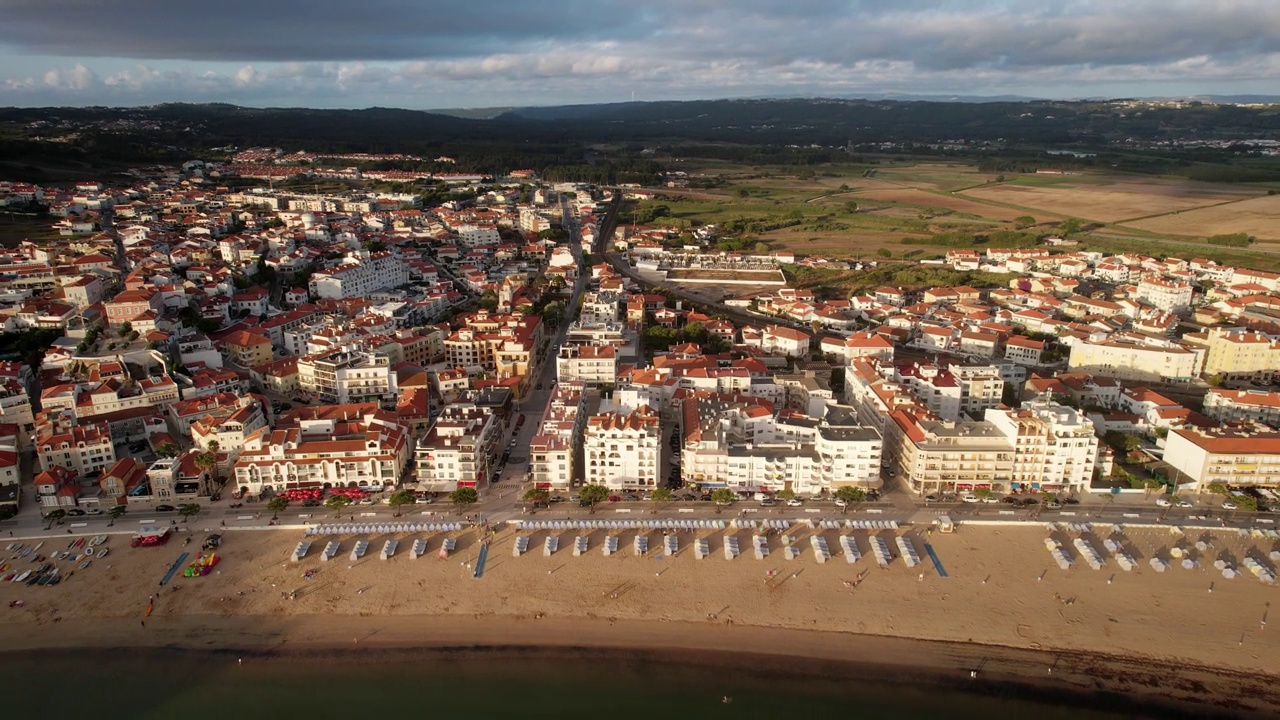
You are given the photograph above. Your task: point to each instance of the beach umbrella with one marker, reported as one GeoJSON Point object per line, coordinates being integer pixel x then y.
{"type": "Point", "coordinates": [1188, 563]}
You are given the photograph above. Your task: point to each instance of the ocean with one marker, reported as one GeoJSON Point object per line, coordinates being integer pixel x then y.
{"type": "Point", "coordinates": [190, 685]}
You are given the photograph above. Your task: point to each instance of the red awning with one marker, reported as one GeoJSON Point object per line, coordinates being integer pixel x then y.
{"type": "Point", "coordinates": [542, 486]}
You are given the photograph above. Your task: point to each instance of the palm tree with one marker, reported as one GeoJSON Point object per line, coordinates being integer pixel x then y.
{"type": "Point", "coordinates": [188, 510]}
{"type": "Point", "coordinates": [463, 497]}
{"type": "Point", "coordinates": [399, 499]}
{"type": "Point", "coordinates": [1109, 500]}
{"type": "Point", "coordinates": [116, 513]}
{"type": "Point", "coordinates": [537, 496]}
{"type": "Point", "coordinates": [208, 462]}
{"type": "Point", "coordinates": [167, 449]}
{"type": "Point", "coordinates": [593, 494]}
{"type": "Point", "coordinates": [277, 505]}
{"type": "Point", "coordinates": [336, 503]}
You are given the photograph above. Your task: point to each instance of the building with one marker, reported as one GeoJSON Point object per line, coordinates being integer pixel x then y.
{"type": "Point", "coordinates": [348, 376]}
{"type": "Point", "coordinates": [1237, 353]}
{"type": "Point", "coordinates": [1129, 357]}
{"type": "Point", "coordinates": [325, 446]}
{"type": "Point", "coordinates": [1234, 458]}
{"type": "Point", "coordinates": [459, 449]}
{"type": "Point", "coordinates": [1023, 350]}
{"type": "Point", "coordinates": [1171, 296]}
{"type": "Point", "coordinates": [361, 273]}
{"type": "Point", "coordinates": [620, 450]}
{"type": "Point", "coordinates": [247, 349]}
{"type": "Point", "coordinates": [1235, 406]}
{"type": "Point", "coordinates": [131, 304]}
{"type": "Point", "coordinates": [82, 449]}
{"type": "Point", "coordinates": [950, 391]}
{"type": "Point", "coordinates": [953, 456]}
{"type": "Point", "coordinates": [594, 365]}
{"type": "Point", "coordinates": [1055, 448]}
{"type": "Point", "coordinates": [554, 460]}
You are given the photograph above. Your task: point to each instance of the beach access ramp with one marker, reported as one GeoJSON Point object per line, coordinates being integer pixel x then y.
{"type": "Point", "coordinates": [389, 549]}
{"type": "Point", "coordinates": [301, 551]}
{"type": "Point", "coordinates": [330, 551]}
{"type": "Point", "coordinates": [849, 545]}
{"type": "Point", "coordinates": [418, 549]}
{"type": "Point", "coordinates": [580, 545]}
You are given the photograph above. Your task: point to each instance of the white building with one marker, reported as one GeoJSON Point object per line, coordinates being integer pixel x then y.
{"type": "Point", "coordinates": [360, 274]}
{"type": "Point", "coordinates": [1130, 357]}
{"type": "Point", "coordinates": [1231, 457]}
{"type": "Point", "coordinates": [1259, 406]}
{"type": "Point", "coordinates": [590, 364]}
{"type": "Point", "coordinates": [348, 376]}
{"type": "Point", "coordinates": [953, 390]}
{"type": "Point", "coordinates": [459, 449]}
{"type": "Point", "coordinates": [553, 451]}
{"type": "Point", "coordinates": [1055, 447]}
{"type": "Point", "coordinates": [621, 451]}
{"type": "Point", "coordinates": [1171, 296]}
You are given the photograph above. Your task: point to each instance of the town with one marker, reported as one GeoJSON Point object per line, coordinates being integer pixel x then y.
{"type": "Point", "coordinates": [517, 347]}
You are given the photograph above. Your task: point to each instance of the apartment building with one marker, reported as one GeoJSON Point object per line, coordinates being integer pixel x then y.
{"type": "Point", "coordinates": [1237, 353]}
{"type": "Point", "coordinates": [553, 453]}
{"type": "Point", "coordinates": [1023, 350]}
{"type": "Point", "coordinates": [1129, 357]}
{"type": "Point", "coordinates": [502, 344]}
{"type": "Point", "coordinates": [82, 449]}
{"type": "Point", "coordinates": [947, 456]}
{"type": "Point", "coordinates": [621, 450]}
{"type": "Point", "coordinates": [1257, 406]}
{"type": "Point", "coordinates": [1055, 448]}
{"type": "Point", "coordinates": [951, 391]}
{"type": "Point", "coordinates": [348, 376]}
{"type": "Point", "coordinates": [459, 450]}
{"type": "Point", "coordinates": [132, 304]}
{"type": "Point", "coordinates": [1232, 457]}
{"type": "Point", "coordinates": [594, 365]}
{"type": "Point", "coordinates": [325, 446]}
{"type": "Point", "coordinates": [229, 430]}
{"type": "Point", "coordinates": [1171, 296]}
{"type": "Point", "coordinates": [247, 349]}
{"type": "Point", "coordinates": [361, 273]}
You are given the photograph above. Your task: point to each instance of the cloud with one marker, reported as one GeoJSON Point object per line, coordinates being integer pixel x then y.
{"type": "Point", "coordinates": [451, 52]}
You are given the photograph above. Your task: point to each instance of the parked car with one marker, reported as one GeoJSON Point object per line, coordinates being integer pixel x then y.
{"type": "Point", "coordinates": [94, 511]}
{"type": "Point", "coordinates": [615, 498]}
{"type": "Point", "coordinates": [841, 503]}
{"type": "Point", "coordinates": [932, 499]}
{"type": "Point", "coordinates": [557, 499]}
{"type": "Point", "coordinates": [164, 508]}
{"type": "Point", "coordinates": [969, 498]}
{"type": "Point", "coordinates": [75, 512]}
{"type": "Point", "coordinates": [1010, 499]}
{"type": "Point", "coordinates": [1163, 502]}
{"type": "Point", "coordinates": [795, 502]}
{"type": "Point", "coordinates": [766, 503]}
{"type": "Point", "coordinates": [1229, 505]}
{"type": "Point", "coordinates": [1030, 501]}
{"type": "Point", "coordinates": [1184, 503]}
{"type": "Point", "coordinates": [991, 499]}
{"type": "Point", "coordinates": [704, 496]}
{"type": "Point", "coordinates": [1053, 505]}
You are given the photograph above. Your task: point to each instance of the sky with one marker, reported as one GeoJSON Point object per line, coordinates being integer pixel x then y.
{"type": "Point", "coordinates": [426, 54]}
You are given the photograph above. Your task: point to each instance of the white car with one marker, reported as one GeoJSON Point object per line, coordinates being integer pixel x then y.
{"type": "Point", "coordinates": [795, 502]}
{"type": "Point", "coordinates": [841, 503]}
{"type": "Point", "coordinates": [969, 498]}
{"type": "Point", "coordinates": [1163, 502]}
{"type": "Point", "coordinates": [1228, 505]}
{"type": "Point", "coordinates": [1184, 503]}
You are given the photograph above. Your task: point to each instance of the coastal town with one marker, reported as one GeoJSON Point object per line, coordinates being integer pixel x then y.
{"type": "Point", "coordinates": [392, 390]}
{"type": "Point", "coordinates": [223, 344]}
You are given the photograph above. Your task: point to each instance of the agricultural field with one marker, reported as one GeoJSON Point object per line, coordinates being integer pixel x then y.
{"type": "Point", "coordinates": [1257, 216]}
{"type": "Point", "coordinates": [1111, 201]}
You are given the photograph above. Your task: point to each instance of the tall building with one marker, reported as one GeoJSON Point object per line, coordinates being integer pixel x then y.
{"type": "Point", "coordinates": [553, 452]}
{"type": "Point", "coordinates": [361, 273]}
{"type": "Point", "coordinates": [621, 450]}
{"type": "Point", "coordinates": [459, 449]}
{"type": "Point", "coordinates": [348, 376]}
{"type": "Point", "coordinates": [1247, 457]}
{"type": "Point", "coordinates": [954, 456]}
{"type": "Point", "coordinates": [1237, 353]}
{"type": "Point", "coordinates": [1055, 447]}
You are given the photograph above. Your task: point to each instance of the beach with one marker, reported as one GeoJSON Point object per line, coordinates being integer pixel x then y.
{"type": "Point", "coordinates": [1005, 612]}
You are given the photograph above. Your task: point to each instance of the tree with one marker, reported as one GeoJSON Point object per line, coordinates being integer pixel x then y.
{"type": "Point", "coordinates": [1246, 502]}
{"type": "Point", "coordinates": [1109, 499]}
{"type": "Point", "coordinates": [402, 498]}
{"type": "Point", "coordinates": [537, 496]}
{"type": "Point", "coordinates": [188, 510]}
{"type": "Point", "coordinates": [884, 253]}
{"type": "Point", "coordinates": [168, 449]}
{"type": "Point", "coordinates": [1217, 488]}
{"type": "Point", "coordinates": [1214, 380]}
{"type": "Point", "coordinates": [722, 497]}
{"type": "Point", "coordinates": [1070, 226]}
{"type": "Point", "coordinates": [277, 505]}
{"type": "Point", "coordinates": [662, 494]}
{"type": "Point", "coordinates": [126, 327]}
{"type": "Point", "coordinates": [786, 494]}
{"type": "Point", "coordinates": [464, 496]}
{"type": "Point", "coordinates": [208, 462]}
{"type": "Point", "coordinates": [55, 516]}
{"type": "Point", "coordinates": [116, 513]}
{"type": "Point", "coordinates": [593, 494]}
{"type": "Point", "coordinates": [1023, 221]}
{"type": "Point", "coordinates": [1148, 485]}
{"type": "Point", "coordinates": [984, 493]}
{"type": "Point", "coordinates": [742, 192]}
{"type": "Point", "coordinates": [336, 503]}
{"type": "Point", "coordinates": [850, 494]}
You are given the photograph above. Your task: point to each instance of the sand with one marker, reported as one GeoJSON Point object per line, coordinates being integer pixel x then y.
{"type": "Point", "coordinates": [1003, 600]}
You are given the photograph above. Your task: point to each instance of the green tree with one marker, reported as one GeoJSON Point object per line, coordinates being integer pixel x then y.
{"type": "Point", "coordinates": [188, 510]}
{"type": "Point", "coordinates": [1217, 489]}
{"type": "Point", "coordinates": [662, 494]}
{"type": "Point", "coordinates": [1245, 502]}
{"type": "Point", "coordinates": [277, 505]}
{"type": "Point", "coordinates": [116, 513]}
{"type": "Point", "coordinates": [208, 462]}
{"type": "Point", "coordinates": [537, 496]}
{"type": "Point", "coordinates": [742, 192]}
{"type": "Point", "coordinates": [884, 253]}
{"type": "Point", "coordinates": [1214, 380]}
{"type": "Point", "coordinates": [1023, 221]}
{"type": "Point", "coordinates": [850, 494]}
{"type": "Point", "coordinates": [984, 493]}
{"type": "Point", "coordinates": [54, 516]}
{"type": "Point", "coordinates": [786, 494]}
{"type": "Point", "coordinates": [723, 497]}
{"type": "Point", "coordinates": [337, 503]}
{"type": "Point", "coordinates": [464, 496]}
{"type": "Point", "coordinates": [402, 498]}
{"type": "Point", "coordinates": [126, 327]}
{"type": "Point", "coordinates": [593, 494]}
{"type": "Point", "coordinates": [1070, 226]}
{"type": "Point", "coordinates": [167, 449]}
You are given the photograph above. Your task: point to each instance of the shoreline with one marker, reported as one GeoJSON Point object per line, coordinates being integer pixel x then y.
{"type": "Point", "coordinates": [1116, 683]}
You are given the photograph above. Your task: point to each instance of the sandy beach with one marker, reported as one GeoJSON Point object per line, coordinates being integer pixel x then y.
{"type": "Point", "coordinates": [1006, 610]}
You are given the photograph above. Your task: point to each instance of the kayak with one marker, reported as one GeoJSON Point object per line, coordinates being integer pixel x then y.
{"type": "Point", "coordinates": [22, 577]}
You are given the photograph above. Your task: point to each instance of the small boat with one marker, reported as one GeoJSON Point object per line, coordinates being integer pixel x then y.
{"type": "Point", "coordinates": [79, 543]}
{"type": "Point", "coordinates": [17, 603]}
{"type": "Point", "coordinates": [88, 550]}
{"type": "Point", "coordinates": [26, 552]}
{"type": "Point", "coordinates": [103, 552]}
{"type": "Point", "coordinates": [71, 544]}
{"type": "Point", "coordinates": [9, 546]}
{"type": "Point", "coordinates": [8, 577]}
{"type": "Point", "coordinates": [56, 579]}
{"type": "Point", "coordinates": [38, 545]}
{"type": "Point", "coordinates": [44, 580]}
{"type": "Point", "coordinates": [22, 577]}
{"type": "Point", "coordinates": [84, 565]}
{"type": "Point", "coordinates": [34, 579]}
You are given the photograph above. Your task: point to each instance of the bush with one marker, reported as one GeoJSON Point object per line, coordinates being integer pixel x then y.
{"type": "Point", "coordinates": [1231, 240]}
